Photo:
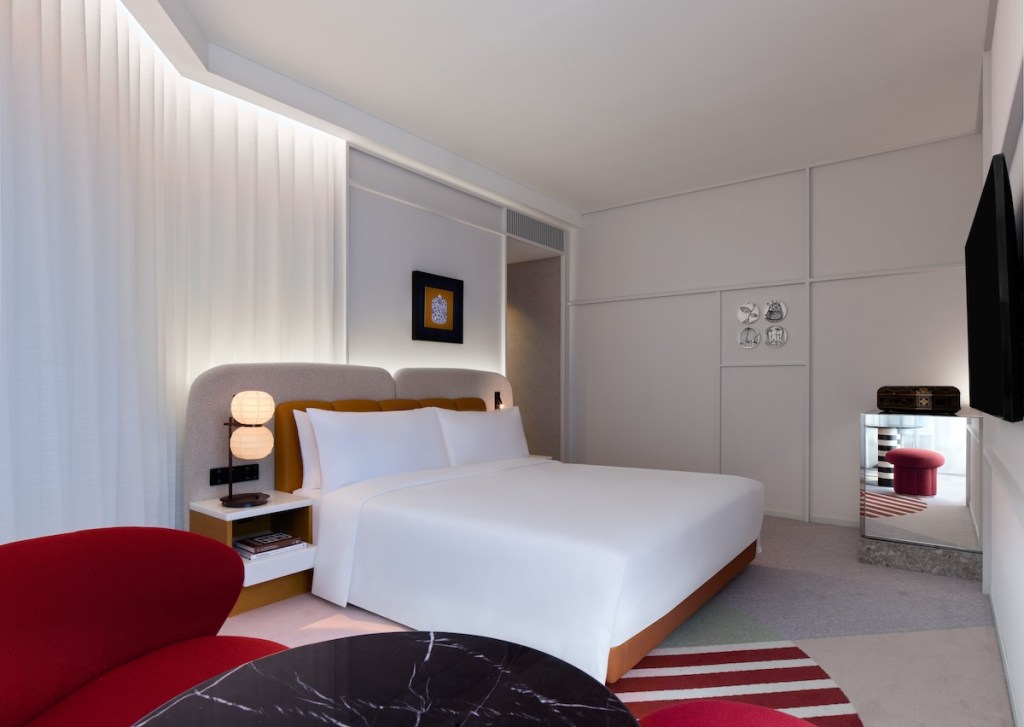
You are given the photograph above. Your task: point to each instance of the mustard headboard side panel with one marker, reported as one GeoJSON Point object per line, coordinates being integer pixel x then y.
{"type": "Point", "coordinates": [209, 403]}
{"type": "Point", "coordinates": [287, 454]}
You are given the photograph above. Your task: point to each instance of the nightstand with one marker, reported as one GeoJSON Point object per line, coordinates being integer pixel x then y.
{"type": "Point", "coordinates": [273, 578]}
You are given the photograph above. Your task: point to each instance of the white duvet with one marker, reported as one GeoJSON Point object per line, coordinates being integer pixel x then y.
{"type": "Point", "coordinates": [568, 559]}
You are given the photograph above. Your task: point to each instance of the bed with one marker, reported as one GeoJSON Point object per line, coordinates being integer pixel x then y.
{"type": "Point", "coordinates": [462, 530]}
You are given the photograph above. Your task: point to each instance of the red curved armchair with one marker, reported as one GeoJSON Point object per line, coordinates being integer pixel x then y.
{"type": "Point", "coordinates": [100, 627]}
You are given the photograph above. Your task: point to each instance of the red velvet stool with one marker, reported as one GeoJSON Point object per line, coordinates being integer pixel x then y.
{"type": "Point", "coordinates": [718, 713]}
{"type": "Point", "coordinates": [915, 471]}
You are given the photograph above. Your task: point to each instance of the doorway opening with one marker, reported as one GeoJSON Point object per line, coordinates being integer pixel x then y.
{"type": "Point", "coordinates": [533, 341]}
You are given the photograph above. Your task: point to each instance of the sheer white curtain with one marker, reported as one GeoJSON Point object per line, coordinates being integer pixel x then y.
{"type": "Point", "coordinates": [150, 228]}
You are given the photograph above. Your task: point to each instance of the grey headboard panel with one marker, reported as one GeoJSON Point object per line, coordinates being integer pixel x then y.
{"type": "Point", "coordinates": [209, 403]}
{"type": "Point", "coordinates": [417, 383]}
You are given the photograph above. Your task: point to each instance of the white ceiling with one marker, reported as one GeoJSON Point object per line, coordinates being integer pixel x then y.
{"type": "Point", "coordinates": [599, 103]}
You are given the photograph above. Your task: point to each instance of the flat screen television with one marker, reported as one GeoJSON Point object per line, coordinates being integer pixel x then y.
{"type": "Point", "coordinates": [995, 308]}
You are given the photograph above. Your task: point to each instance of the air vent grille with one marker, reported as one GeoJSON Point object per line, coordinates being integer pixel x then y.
{"type": "Point", "coordinates": [527, 228]}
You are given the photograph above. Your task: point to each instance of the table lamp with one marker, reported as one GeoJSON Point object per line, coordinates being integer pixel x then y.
{"type": "Point", "coordinates": [248, 439]}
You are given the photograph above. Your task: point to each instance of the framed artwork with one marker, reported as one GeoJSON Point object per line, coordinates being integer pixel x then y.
{"type": "Point", "coordinates": [436, 308]}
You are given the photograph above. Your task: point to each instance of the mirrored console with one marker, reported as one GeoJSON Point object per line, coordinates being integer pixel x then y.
{"type": "Point", "coordinates": [923, 507]}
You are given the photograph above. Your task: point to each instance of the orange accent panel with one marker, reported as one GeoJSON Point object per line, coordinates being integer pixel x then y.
{"type": "Point", "coordinates": [357, 405]}
{"type": "Point", "coordinates": [401, 405]}
{"type": "Point", "coordinates": [287, 457]}
{"type": "Point", "coordinates": [440, 403]}
{"type": "Point", "coordinates": [263, 594]}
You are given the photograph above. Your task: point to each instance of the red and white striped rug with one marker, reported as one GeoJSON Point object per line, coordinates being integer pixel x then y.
{"type": "Point", "coordinates": [774, 674]}
{"type": "Point", "coordinates": [887, 504]}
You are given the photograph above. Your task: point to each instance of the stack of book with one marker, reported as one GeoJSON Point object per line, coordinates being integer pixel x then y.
{"type": "Point", "coordinates": [255, 547]}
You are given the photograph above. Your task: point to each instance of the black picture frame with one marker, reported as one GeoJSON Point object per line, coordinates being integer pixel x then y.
{"type": "Point", "coordinates": [441, 319]}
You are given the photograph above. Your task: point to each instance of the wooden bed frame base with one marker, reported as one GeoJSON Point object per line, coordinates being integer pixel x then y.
{"type": "Point", "coordinates": [624, 657]}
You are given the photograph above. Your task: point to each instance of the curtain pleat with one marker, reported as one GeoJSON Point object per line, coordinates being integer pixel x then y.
{"type": "Point", "coordinates": [150, 228]}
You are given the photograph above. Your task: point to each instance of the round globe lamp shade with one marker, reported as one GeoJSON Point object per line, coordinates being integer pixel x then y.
{"type": "Point", "coordinates": [252, 407]}
{"type": "Point", "coordinates": [252, 442]}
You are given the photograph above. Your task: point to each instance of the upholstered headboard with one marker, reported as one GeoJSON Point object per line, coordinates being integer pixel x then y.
{"type": "Point", "coordinates": [209, 402]}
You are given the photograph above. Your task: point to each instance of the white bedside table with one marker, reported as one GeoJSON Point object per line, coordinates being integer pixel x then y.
{"type": "Point", "coordinates": [273, 578]}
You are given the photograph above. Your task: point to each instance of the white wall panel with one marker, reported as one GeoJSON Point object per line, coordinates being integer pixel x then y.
{"type": "Point", "coordinates": [865, 333]}
{"type": "Point", "coordinates": [1007, 52]}
{"type": "Point", "coordinates": [644, 386]}
{"type": "Point", "coordinates": [1004, 442]}
{"type": "Point", "coordinates": [1004, 476]}
{"type": "Point", "coordinates": [1007, 589]}
{"type": "Point", "coordinates": [742, 233]}
{"type": "Point", "coordinates": [764, 427]}
{"type": "Point", "coordinates": [374, 173]}
{"type": "Point", "coordinates": [389, 239]}
{"type": "Point", "coordinates": [906, 209]}
{"type": "Point", "coordinates": [898, 212]}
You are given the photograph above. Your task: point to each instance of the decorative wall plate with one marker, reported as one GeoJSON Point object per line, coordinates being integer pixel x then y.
{"type": "Point", "coordinates": [748, 313]}
{"type": "Point", "coordinates": [749, 337]}
{"type": "Point", "coordinates": [775, 336]}
{"type": "Point", "coordinates": [775, 311]}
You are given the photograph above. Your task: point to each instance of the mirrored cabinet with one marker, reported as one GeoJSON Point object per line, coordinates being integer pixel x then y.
{"type": "Point", "coordinates": [920, 499]}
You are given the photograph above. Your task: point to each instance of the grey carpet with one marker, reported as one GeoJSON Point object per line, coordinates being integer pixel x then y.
{"type": "Point", "coordinates": [807, 583]}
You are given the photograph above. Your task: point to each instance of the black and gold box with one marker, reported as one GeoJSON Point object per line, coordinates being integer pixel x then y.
{"type": "Point", "coordinates": [919, 399]}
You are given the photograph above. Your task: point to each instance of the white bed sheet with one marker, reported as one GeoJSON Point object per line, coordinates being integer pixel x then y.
{"type": "Point", "coordinates": [314, 494]}
{"type": "Point", "coordinates": [568, 559]}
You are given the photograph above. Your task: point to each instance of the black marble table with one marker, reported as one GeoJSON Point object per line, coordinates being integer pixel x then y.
{"type": "Point", "coordinates": [400, 678]}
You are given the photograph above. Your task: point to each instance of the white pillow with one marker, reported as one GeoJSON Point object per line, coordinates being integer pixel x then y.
{"type": "Point", "coordinates": [483, 436]}
{"type": "Point", "coordinates": [310, 455]}
{"type": "Point", "coordinates": [356, 446]}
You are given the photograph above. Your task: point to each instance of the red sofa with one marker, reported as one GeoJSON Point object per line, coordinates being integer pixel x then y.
{"type": "Point", "coordinates": [100, 627]}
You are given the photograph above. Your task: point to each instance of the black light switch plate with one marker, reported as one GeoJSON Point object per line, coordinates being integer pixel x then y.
{"type": "Point", "coordinates": [242, 473]}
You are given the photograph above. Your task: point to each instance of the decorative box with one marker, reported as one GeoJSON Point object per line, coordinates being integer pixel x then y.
{"type": "Point", "coordinates": [919, 399]}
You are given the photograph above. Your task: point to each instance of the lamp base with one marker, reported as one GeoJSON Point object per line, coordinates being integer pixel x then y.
{"type": "Point", "coordinates": [245, 499]}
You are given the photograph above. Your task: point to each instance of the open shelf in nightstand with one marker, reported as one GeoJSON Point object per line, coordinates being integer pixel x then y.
{"type": "Point", "coordinates": [273, 578]}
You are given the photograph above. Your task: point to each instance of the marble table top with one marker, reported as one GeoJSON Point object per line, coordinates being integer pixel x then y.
{"type": "Point", "coordinates": [403, 678]}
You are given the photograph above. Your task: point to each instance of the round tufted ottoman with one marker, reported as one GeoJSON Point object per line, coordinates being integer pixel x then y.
{"type": "Point", "coordinates": [915, 470]}
{"type": "Point", "coordinates": [718, 713]}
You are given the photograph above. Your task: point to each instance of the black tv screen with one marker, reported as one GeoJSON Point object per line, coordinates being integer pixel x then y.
{"type": "Point", "coordinates": [995, 309]}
